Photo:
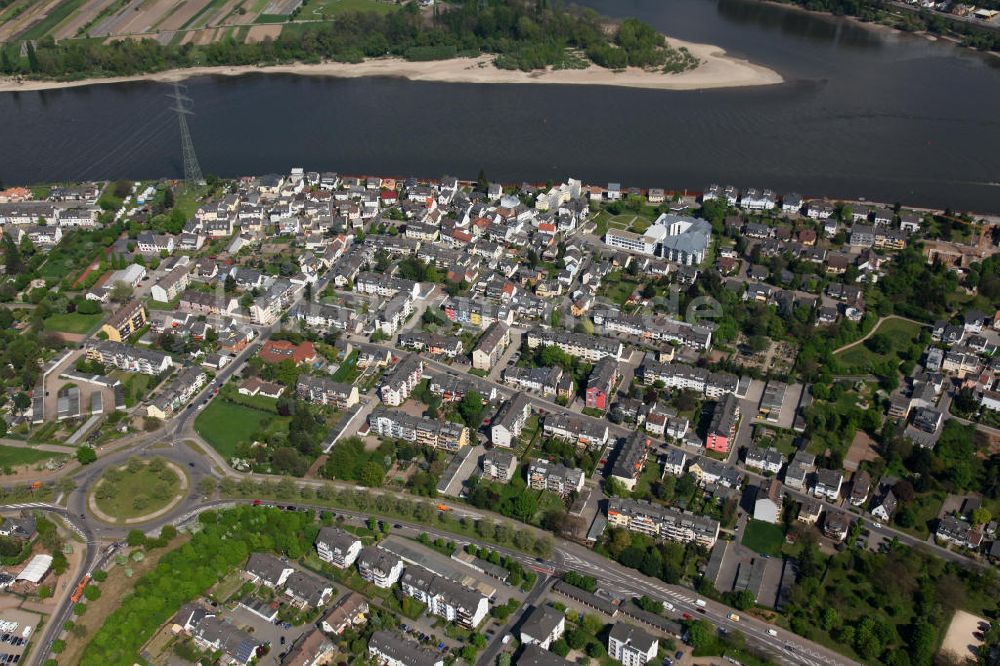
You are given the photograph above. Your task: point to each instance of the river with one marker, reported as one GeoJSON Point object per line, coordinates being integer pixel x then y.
{"type": "Point", "coordinates": [864, 113]}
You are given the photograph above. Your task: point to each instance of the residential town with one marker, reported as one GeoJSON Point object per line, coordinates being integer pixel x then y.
{"type": "Point", "coordinates": [534, 424]}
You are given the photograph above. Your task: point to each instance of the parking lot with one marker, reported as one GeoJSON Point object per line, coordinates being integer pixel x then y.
{"type": "Point", "coordinates": [17, 627]}
{"type": "Point", "coordinates": [261, 628]}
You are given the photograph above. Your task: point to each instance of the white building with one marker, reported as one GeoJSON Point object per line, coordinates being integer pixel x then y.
{"type": "Point", "coordinates": [337, 547]}
{"type": "Point", "coordinates": [631, 645]}
{"type": "Point", "coordinates": [542, 627]}
{"type": "Point", "coordinates": [445, 598]}
{"type": "Point", "coordinates": [379, 567]}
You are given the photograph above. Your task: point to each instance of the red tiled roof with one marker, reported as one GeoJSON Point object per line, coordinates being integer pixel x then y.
{"type": "Point", "coordinates": [276, 351]}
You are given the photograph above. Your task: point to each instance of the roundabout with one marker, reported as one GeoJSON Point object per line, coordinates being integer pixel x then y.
{"type": "Point", "coordinates": [138, 492]}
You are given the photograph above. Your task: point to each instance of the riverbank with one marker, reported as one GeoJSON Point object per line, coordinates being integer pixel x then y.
{"type": "Point", "coordinates": [884, 28]}
{"type": "Point", "coordinates": [716, 69]}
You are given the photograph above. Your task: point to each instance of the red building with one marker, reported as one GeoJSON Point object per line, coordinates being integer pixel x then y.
{"type": "Point", "coordinates": [722, 429]}
{"type": "Point", "coordinates": [276, 351]}
{"type": "Point", "coordinates": [601, 383]}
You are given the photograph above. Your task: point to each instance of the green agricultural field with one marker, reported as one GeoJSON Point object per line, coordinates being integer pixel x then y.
{"type": "Point", "coordinates": [11, 455]}
{"type": "Point", "coordinates": [54, 18]}
{"type": "Point", "coordinates": [764, 538]}
{"type": "Point", "coordinates": [72, 322]}
{"type": "Point", "coordinates": [324, 9]}
{"type": "Point", "coordinates": [225, 425]}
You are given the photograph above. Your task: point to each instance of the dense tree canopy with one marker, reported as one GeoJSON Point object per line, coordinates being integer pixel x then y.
{"type": "Point", "coordinates": [524, 35]}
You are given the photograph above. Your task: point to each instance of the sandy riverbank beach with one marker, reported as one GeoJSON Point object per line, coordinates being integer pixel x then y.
{"type": "Point", "coordinates": [716, 70]}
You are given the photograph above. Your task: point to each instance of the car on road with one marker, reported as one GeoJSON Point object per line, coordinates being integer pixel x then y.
{"type": "Point", "coordinates": [772, 632]}
{"type": "Point", "coordinates": [397, 526]}
{"type": "Point", "coordinates": [877, 526]}
{"type": "Point", "coordinates": [700, 603]}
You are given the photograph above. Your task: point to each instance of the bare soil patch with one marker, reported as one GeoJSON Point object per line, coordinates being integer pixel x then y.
{"type": "Point", "coordinates": [961, 640]}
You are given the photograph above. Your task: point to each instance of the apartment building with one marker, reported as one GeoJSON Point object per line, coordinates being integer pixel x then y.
{"type": "Point", "coordinates": [128, 358]}
{"type": "Point", "coordinates": [401, 380]}
{"type": "Point", "coordinates": [395, 313]}
{"type": "Point", "coordinates": [491, 346]}
{"type": "Point", "coordinates": [177, 393]}
{"type": "Point", "coordinates": [323, 391]}
{"type": "Point", "coordinates": [510, 420]}
{"type": "Point", "coordinates": [445, 598]}
{"type": "Point", "coordinates": [499, 465]}
{"type": "Point", "coordinates": [680, 376]}
{"type": "Point", "coordinates": [543, 626]}
{"type": "Point", "coordinates": [379, 284]}
{"type": "Point", "coordinates": [577, 429]}
{"type": "Point", "coordinates": [630, 459]}
{"type": "Point", "coordinates": [388, 648]}
{"type": "Point", "coordinates": [545, 475]}
{"type": "Point", "coordinates": [540, 380]}
{"type": "Point", "coordinates": [722, 428]}
{"type": "Point", "coordinates": [337, 547]}
{"type": "Point", "coordinates": [662, 522]}
{"type": "Point", "coordinates": [170, 286]}
{"type": "Point", "coordinates": [378, 567]}
{"type": "Point", "coordinates": [588, 347]}
{"type": "Point", "coordinates": [431, 343]}
{"type": "Point", "coordinates": [126, 322]}
{"type": "Point", "coordinates": [478, 313]}
{"type": "Point", "coordinates": [601, 384]}
{"type": "Point", "coordinates": [327, 316]}
{"type": "Point", "coordinates": [657, 328]}
{"type": "Point", "coordinates": [631, 645]}
{"type": "Point", "coordinates": [423, 431]}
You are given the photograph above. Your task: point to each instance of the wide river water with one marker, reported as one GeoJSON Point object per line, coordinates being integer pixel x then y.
{"type": "Point", "coordinates": [863, 113]}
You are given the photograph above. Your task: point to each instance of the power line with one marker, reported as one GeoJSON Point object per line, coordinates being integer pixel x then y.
{"type": "Point", "coordinates": [192, 170]}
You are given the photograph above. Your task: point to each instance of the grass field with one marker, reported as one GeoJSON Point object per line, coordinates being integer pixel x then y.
{"type": "Point", "coordinates": [130, 493]}
{"type": "Point", "coordinates": [72, 322]}
{"type": "Point", "coordinates": [320, 9]}
{"type": "Point", "coordinates": [348, 370]}
{"type": "Point", "coordinates": [617, 287]}
{"type": "Point", "coordinates": [225, 425]}
{"type": "Point", "coordinates": [764, 538]}
{"type": "Point", "coordinates": [860, 358]}
{"type": "Point", "coordinates": [10, 455]}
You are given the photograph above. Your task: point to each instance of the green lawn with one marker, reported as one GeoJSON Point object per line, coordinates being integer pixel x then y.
{"type": "Point", "coordinates": [225, 425]}
{"type": "Point", "coordinates": [72, 322]}
{"type": "Point", "coordinates": [348, 370]}
{"type": "Point", "coordinates": [11, 455]}
{"type": "Point", "coordinates": [188, 199]}
{"type": "Point", "coordinates": [650, 474]}
{"type": "Point", "coordinates": [860, 358]}
{"type": "Point", "coordinates": [764, 538]}
{"type": "Point", "coordinates": [617, 288]}
{"type": "Point", "coordinates": [136, 490]}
